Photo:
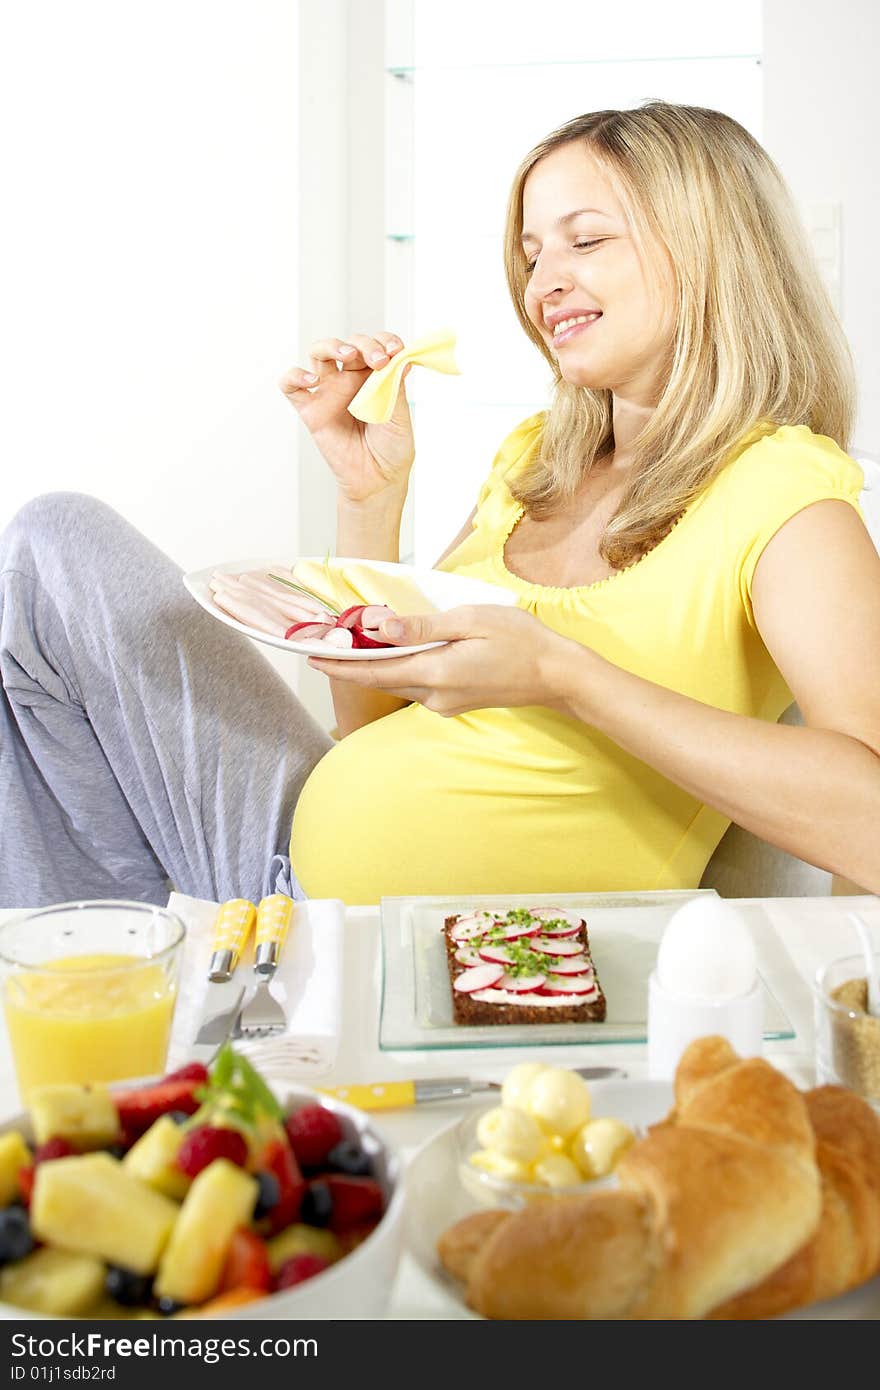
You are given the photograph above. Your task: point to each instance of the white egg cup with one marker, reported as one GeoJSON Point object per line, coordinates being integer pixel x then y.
{"type": "Point", "coordinates": [674, 1022]}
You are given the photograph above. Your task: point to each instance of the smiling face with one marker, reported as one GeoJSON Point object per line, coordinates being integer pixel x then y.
{"type": "Point", "coordinates": [585, 265]}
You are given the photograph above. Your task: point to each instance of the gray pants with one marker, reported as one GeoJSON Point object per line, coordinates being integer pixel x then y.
{"type": "Point", "coordinates": [143, 745]}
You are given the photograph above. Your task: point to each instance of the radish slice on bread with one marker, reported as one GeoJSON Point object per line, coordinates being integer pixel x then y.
{"type": "Point", "coordinates": [521, 983]}
{"type": "Point", "coordinates": [569, 984]}
{"type": "Point", "coordinates": [556, 946]}
{"type": "Point", "coordinates": [478, 977]}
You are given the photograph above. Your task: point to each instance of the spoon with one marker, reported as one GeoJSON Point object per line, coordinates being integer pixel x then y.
{"type": "Point", "coordinates": [870, 964]}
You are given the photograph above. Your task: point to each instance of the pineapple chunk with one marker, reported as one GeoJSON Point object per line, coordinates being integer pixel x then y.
{"type": "Point", "coordinates": [151, 1159]}
{"type": "Point", "coordinates": [221, 1199]}
{"type": "Point", "coordinates": [14, 1155]}
{"type": "Point", "coordinates": [302, 1240]}
{"type": "Point", "coordinates": [91, 1205]}
{"type": "Point", "coordinates": [83, 1115]}
{"type": "Point", "coordinates": [55, 1282]}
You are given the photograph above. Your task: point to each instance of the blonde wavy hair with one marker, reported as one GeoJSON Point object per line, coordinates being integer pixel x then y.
{"type": "Point", "coordinates": [757, 341]}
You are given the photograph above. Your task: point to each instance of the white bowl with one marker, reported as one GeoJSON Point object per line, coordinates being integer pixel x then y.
{"type": "Point", "coordinates": [359, 1285]}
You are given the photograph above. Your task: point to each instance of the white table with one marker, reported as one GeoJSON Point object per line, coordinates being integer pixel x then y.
{"type": "Point", "coordinates": [794, 936]}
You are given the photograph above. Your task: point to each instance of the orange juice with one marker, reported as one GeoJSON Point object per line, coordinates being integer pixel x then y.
{"type": "Point", "coordinates": [88, 1018]}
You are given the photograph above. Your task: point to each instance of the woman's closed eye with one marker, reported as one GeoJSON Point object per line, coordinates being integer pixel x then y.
{"type": "Point", "coordinates": [583, 244]}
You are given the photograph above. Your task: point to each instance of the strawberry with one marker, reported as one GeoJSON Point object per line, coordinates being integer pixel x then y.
{"type": "Point", "coordinates": [139, 1108]}
{"type": "Point", "coordinates": [193, 1071]}
{"type": "Point", "coordinates": [53, 1148]}
{"type": "Point", "coordinates": [355, 1200]}
{"type": "Point", "coordinates": [44, 1153]}
{"type": "Point", "coordinates": [247, 1263]}
{"type": "Point", "coordinates": [278, 1158]}
{"type": "Point", "coordinates": [206, 1143]}
{"type": "Point", "coordinates": [299, 1268]}
{"type": "Point", "coordinates": [26, 1183]}
{"type": "Point", "coordinates": [313, 1131]}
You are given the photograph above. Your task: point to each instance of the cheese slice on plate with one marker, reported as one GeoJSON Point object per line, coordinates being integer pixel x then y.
{"type": "Point", "coordinates": [345, 585]}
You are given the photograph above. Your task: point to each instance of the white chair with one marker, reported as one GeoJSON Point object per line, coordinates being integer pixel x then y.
{"type": "Point", "coordinates": [744, 866]}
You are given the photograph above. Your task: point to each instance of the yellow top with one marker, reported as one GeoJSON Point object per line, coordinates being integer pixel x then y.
{"type": "Point", "coordinates": [531, 801]}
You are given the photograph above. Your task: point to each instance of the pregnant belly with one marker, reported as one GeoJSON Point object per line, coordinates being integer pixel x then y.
{"type": "Point", "coordinates": [499, 801]}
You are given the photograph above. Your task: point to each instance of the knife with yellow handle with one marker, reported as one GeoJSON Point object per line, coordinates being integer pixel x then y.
{"type": "Point", "coordinates": [232, 927]}
{"type": "Point", "coordinates": [398, 1095]}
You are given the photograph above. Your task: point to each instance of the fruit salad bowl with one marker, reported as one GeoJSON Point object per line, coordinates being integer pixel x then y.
{"type": "Point", "coordinates": [314, 1224]}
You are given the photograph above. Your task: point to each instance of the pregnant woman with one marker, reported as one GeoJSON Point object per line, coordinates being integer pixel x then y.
{"type": "Point", "coordinates": [681, 528]}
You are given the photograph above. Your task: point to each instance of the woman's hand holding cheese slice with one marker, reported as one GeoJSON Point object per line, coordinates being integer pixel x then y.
{"type": "Point", "coordinates": [365, 459]}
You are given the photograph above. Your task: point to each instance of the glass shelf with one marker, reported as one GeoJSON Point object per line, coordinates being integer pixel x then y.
{"type": "Point", "coordinates": [405, 73]}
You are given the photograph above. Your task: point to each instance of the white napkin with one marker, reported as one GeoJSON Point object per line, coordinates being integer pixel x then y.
{"type": "Point", "coordinates": [307, 983]}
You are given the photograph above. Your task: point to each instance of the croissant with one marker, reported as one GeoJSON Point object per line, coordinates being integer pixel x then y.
{"type": "Point", "coordinates": [749, 1199]}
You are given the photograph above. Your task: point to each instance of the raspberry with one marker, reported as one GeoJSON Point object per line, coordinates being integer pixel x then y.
{"type": "Point", "coordinates": [299, 1268]}
{"type": "Point", "coordinates": [313, 1132]}
{"type": "Point", "coordinates": [204, 1144]}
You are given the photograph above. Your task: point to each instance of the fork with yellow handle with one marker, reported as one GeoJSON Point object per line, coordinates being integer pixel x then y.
{"type": "Point", "coordinates": [262, 1015]}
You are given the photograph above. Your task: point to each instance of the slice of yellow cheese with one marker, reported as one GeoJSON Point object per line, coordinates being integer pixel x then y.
{"type": "Point", "coordinates": [375, 401]}
{"type": "Point", "coordinates": [348, 584]}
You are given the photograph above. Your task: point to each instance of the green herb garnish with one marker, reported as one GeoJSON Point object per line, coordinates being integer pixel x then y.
{"type": "Point", "coordinates": [236, 1090]}
{"type": "Point", "coordinates": [309, 593]}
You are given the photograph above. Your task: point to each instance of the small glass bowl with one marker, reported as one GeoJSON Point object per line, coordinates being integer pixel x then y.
{"type": "Point", "coordinates": [847, 1037]}
{"type": "Point", "coordinates": [492, 1190]}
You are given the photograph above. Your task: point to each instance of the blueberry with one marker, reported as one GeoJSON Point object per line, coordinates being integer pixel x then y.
{"type": "Point", "coordinates": [179, 1117]}
{"type": "Point", "coordinates": [117, 1151]}
{"type": "Point", "coordinates": [317, 1205]}
{"type": "Point", "coordinates": [128, 1288]}
{"type": "Point", "coordinates": [348, 1157]}
{"type": "Point", "coordinates": [269, 1194]}
{"type": "Point", "coordinates": [167, 1306]}
{"type": "Point", "coordinates": [16, 1240]}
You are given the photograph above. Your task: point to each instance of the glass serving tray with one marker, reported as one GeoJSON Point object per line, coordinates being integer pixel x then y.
{"type": "Point", "coordinates": [624, 931]}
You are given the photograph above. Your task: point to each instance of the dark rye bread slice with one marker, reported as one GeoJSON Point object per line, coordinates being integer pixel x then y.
{"type": "Point", "coordinates": [476, 1013]}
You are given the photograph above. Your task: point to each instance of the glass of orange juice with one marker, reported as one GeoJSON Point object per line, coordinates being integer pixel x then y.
{"type": "Point", "coordinates": [89, 990]}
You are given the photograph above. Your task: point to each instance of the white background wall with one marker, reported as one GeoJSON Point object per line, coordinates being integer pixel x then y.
{"type": "Point", "coordinates": [822, 126]}
{"type": "Point", "coordinates": [150, 259]}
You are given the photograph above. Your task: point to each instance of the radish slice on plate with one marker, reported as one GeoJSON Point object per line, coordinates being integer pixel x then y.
{"type": "Point", "coordinates": [308, 632]}
{"type": "Point", "coordinates": [374, 614]}
{"type": "Point", "coordinates": [338, 637]}
{"type": "Point", "coordinates": [352, 616]}
{"type": "Point", "coordinates": [466, 955]}
{"type": "Point", "coordinates": [572, 965]}
{"type": "Point", "coordinates": [478, 977]}
{"type": "Point", "coordinates": [556, 946]}
{"type": "Point", "coordinates": [364, 639]}
{"type": "Point", "coordinates": [569, 984]}
{"type": "Point", "coordinates": [521, 983]}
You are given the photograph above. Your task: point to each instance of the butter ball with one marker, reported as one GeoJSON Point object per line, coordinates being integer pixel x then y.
{"type": "Point", "coordinates": [518, 1083]}
{"type": "Point", "coordinates": [560, 1101]}
{"type": "Point", "coordinates": [556, 1171]}
{"type": "Point", "coordinates": [706, 953]}
{"type": "Point", "coordinates": [510, 1132]}
{"type": "Point", "coordinates": [598, 1145]}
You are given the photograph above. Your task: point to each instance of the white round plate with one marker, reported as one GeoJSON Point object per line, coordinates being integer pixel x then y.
{"type": "Point", "coordinates": [435, 1199]}
{"type": "Point", "coordinates": [444, 590]}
